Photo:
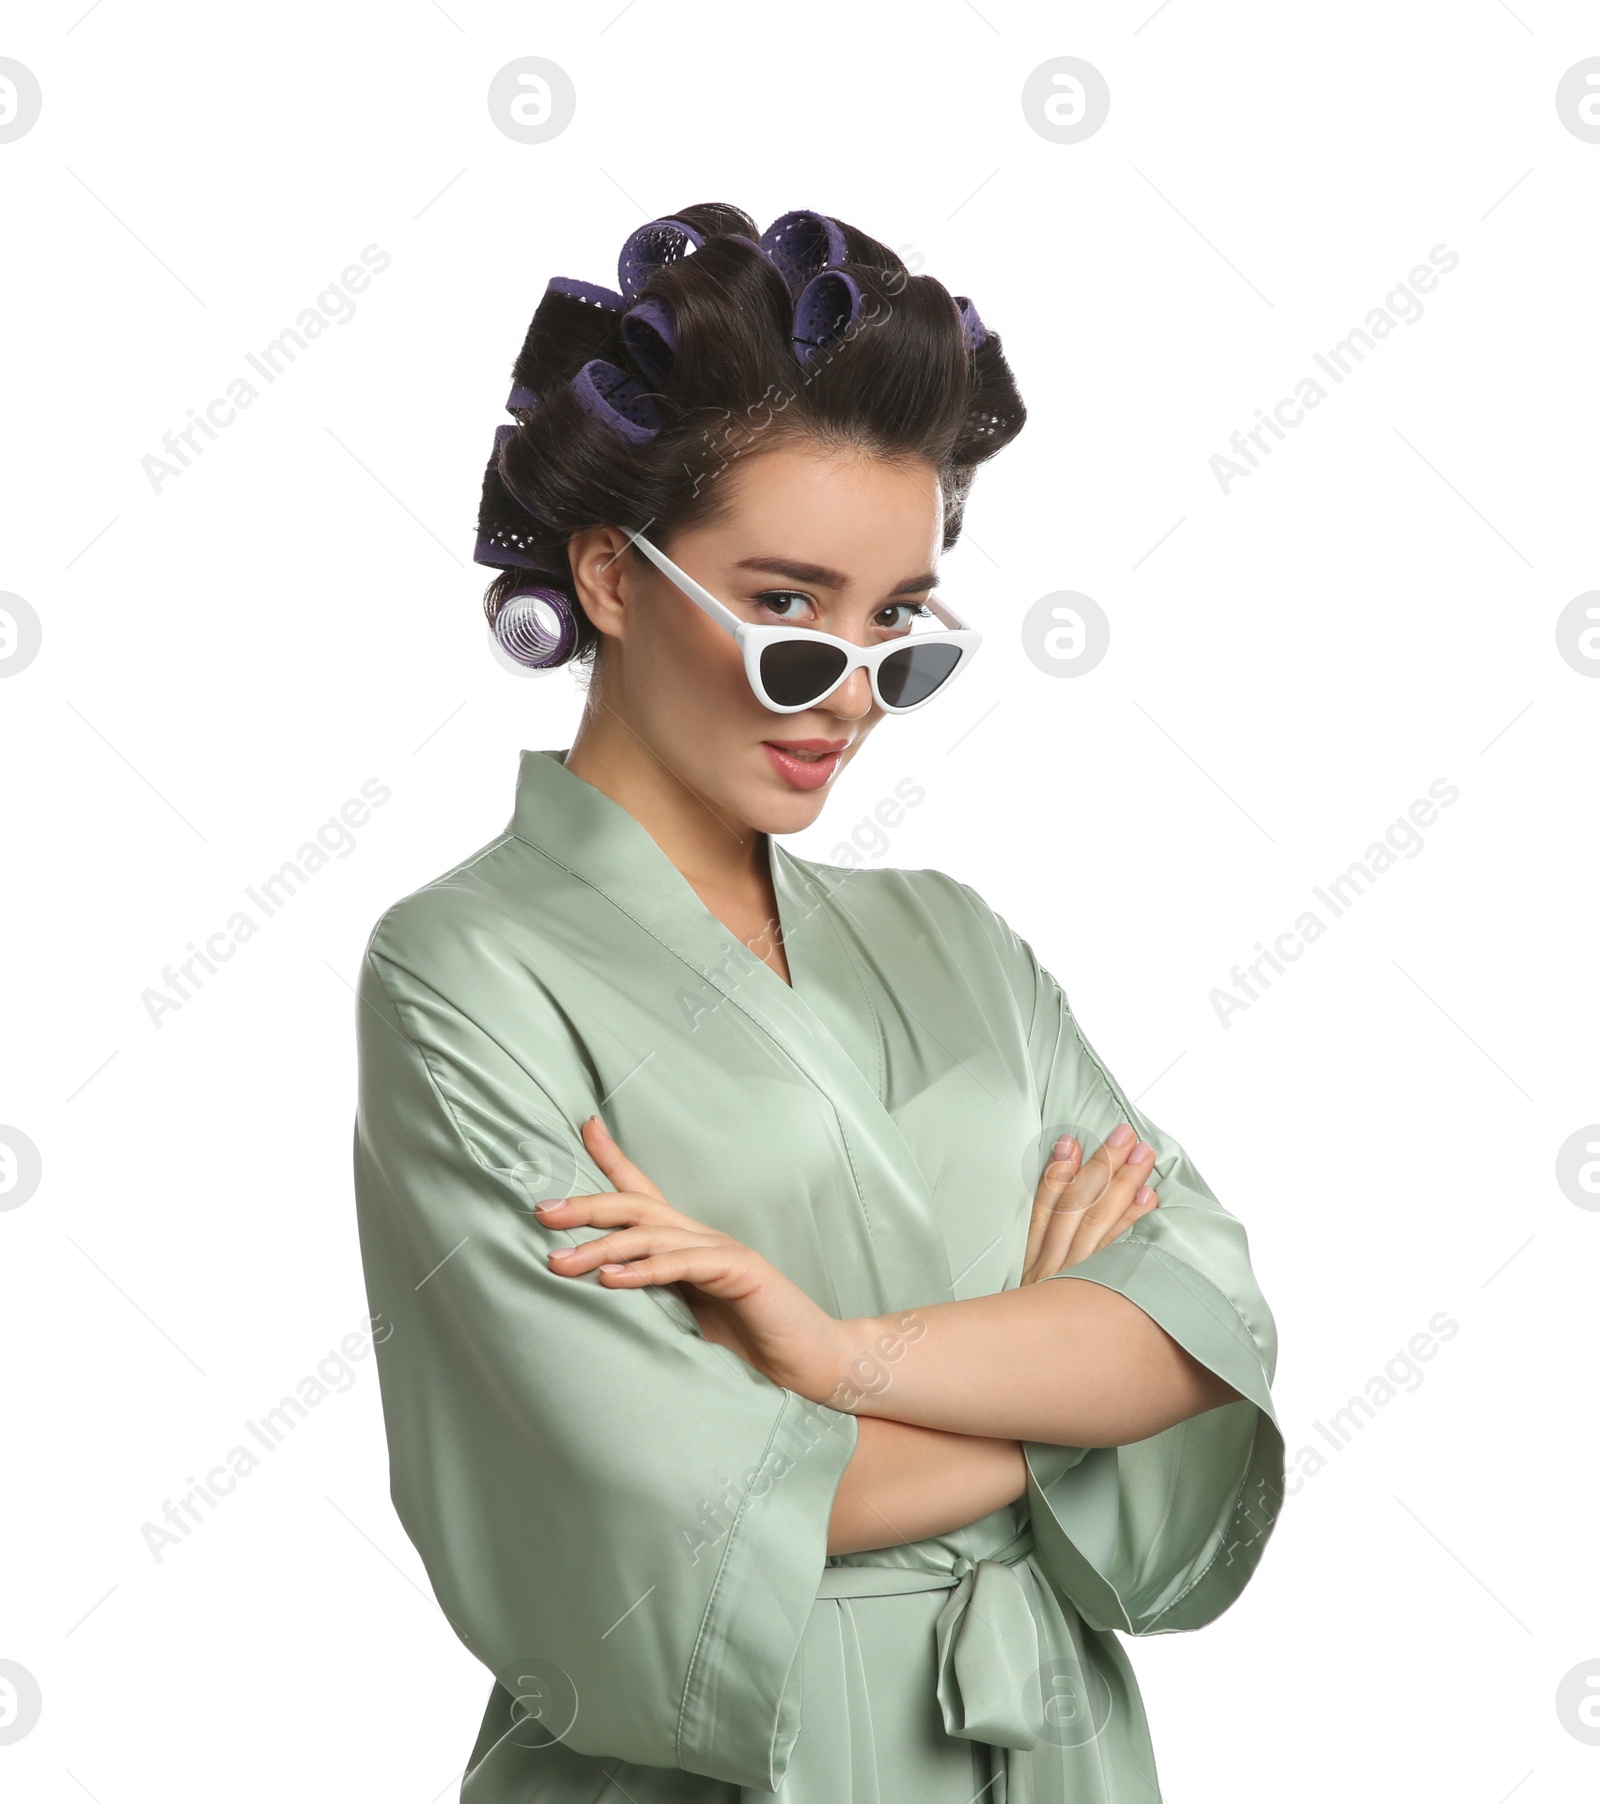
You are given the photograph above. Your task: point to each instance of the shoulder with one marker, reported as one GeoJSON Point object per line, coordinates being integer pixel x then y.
{"type": "Point", "coordinates": [448, 923]}
{"type": "Point", "coordinates": [935, 892]}
{"type": "Point", "coordinates": [926, 902]}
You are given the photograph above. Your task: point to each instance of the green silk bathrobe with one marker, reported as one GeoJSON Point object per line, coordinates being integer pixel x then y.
{"type": "Point", "coordinates": [626, 1523]}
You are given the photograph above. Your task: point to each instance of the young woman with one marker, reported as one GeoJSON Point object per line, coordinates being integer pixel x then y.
{"type": "Point", "coordinates": [713, 1195]}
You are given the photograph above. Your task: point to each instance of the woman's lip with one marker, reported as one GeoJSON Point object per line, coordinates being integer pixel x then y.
{"type": "Point", "coordinates": [808, 745]}
{"type": "Point", "coordinates": [801, 773]}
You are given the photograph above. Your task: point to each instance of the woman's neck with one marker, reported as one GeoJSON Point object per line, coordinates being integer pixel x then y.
{"type": "Point", "coordinates": [715, 851]}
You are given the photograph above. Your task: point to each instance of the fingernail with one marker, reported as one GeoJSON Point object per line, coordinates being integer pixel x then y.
{"type": "Point", "coordinates": [551, 1202]}
{"type": "Point", "coordinates": [1065, 1147]}
{"type": "Point", "coordinates": [613, 1268]}
{"type": "Point", "coordinates": [1138, 1153]}
{"type": "Point", "coordinates": [1121, 1135]}
{"type": "Point", "coordinates": [601, 1125]}
{"type": "Point", "coordinates": [1145, 1197]}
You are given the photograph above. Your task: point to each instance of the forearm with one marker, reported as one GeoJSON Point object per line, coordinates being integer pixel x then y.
{"type": "Point", "coordinates": [1067, 1362]}
{"type": "Point", "coordinates": [905, 1482]}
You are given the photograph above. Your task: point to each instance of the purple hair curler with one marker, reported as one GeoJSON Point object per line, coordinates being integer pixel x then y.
{"type": "Point", "coordinates": [973, 329]}
{"type": "Point", "coordinates": [503, 436]}
{"type": "Point", "coordinates": [534, 629]}
{"type": "Point", "coordinates": [490, 549]}
{"type": "Point", "coordinates": [509, 530]}
{"type": "Point", "coordinates": [644, 251]}
{"type": "Point", "coordinates": [829, 304]}
{"type": "Point", "coordinates": [591, 293]}
{"type": "Point", "coordinates": [803, 243]}
{"type": "Point", "coordinates": [650, 337]}
{"type": "Point", "coordinates": [613, 396]}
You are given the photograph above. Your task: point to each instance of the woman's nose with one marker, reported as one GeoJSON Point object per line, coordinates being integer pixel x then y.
{"type": "Point", "coordinates": [853, 697]}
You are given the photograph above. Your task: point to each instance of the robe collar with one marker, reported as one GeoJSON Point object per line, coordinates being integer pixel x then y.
{"type": "Point", "coordinates": [595, 838]}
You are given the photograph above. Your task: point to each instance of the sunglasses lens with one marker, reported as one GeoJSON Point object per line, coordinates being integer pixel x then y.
{"type": "Point", "coordinates": [796, 673]}
{"type": "Point", "coordinates": [911, 676]}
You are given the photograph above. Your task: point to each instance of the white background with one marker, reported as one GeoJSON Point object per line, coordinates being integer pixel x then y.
{"type": "Point", "coordinates": [1292, 663]}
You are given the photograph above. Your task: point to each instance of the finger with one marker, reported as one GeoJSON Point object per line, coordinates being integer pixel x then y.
{"type": "Point", "coordinates": [1114, 1173]}
{"type": "Point", "coordinates": [1053, 1181]}
{"type": "Point", "coordinates": [1062, 1231]}
{"type": "Point", "coordinates": [1063, 1167]}
{"type": "Point", "coordinates": [714, 1269]}
{"type": "Point", "coordinates": [609, 1209]}
{"type": "Point", "coordinates": [613, 1161]}
{"type": "Point", "coordinates": [626, 1244]}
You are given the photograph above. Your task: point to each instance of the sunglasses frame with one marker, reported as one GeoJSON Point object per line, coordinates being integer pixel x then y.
{"type": "Point", "coordinates": [753, 640]}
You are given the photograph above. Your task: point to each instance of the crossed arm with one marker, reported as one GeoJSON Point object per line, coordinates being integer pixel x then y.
{"type": "Point", "coordinates": [940, 1437]}
{"type": "Point", "coordinates": [940, 1444]}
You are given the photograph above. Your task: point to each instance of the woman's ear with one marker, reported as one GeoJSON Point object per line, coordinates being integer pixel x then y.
{"type": "Point", "coordinates": [599, 560]}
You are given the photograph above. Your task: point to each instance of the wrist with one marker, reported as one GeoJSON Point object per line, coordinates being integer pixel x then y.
{"type": "Point", "coordinates": [869, 1346]}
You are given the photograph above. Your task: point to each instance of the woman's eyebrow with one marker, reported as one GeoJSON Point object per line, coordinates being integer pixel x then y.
{"type": "Point", "coordinates": [821, 577]}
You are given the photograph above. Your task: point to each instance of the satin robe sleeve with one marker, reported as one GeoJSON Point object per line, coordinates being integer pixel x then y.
{"type": "Point", "coordinates": [1161, 1534]}
{"type": "Point", "coordinates": [617, 1515]}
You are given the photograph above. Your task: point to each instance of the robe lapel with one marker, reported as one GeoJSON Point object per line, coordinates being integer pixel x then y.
{"type": "Point", "coordinates": [600, 842]}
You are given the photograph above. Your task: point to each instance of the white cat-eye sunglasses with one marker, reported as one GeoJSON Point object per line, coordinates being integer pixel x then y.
{"type": "Point", "coordinates": [794, 667]}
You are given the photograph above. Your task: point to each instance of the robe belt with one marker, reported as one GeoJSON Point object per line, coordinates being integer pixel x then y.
{"type": "Point", "coordinates": [986, 1638]}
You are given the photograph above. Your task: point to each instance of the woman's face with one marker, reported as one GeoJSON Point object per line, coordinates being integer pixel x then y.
{"type": "Point", "coordinates": [843, 544]}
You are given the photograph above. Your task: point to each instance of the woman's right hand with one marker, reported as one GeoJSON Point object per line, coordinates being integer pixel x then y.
{"type": "Point", "coordinates": [739, 1299]}
{"type": "Point", "coordinates": [1078, 1208]}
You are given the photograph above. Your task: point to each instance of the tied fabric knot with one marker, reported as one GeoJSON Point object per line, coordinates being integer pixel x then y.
{"type": "Point", "coordinates": [988, 1647]}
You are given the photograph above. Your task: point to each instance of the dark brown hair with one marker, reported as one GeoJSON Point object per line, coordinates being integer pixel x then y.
{"type": "Point", "coordinates": [902, 383]}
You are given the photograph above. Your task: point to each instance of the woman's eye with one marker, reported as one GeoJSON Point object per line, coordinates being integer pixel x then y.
{"type": "Point", "coordinates": [777, 601]}
{"type": "Point", "coordinates": [898, 616]}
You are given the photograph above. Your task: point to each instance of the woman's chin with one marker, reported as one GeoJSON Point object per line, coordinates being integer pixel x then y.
{"type": "Point", "coordinates": [786, 812]}
{"type": "Point", "coordinates": [772, 793]}
{"type": "Point", "coordinates": [777, 803]}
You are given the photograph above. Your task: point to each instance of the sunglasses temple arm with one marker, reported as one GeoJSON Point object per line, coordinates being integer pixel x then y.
{"type": "Point", "coordinates": [702, 598]}
{"type": "Point", "coordinates": [948, 615]}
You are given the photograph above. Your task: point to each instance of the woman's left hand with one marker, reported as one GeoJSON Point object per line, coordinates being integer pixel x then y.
{"type": "Point", "coordinates": [1078, 1208]}
{"type": "Point", "coordinates": [740, 1300]}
